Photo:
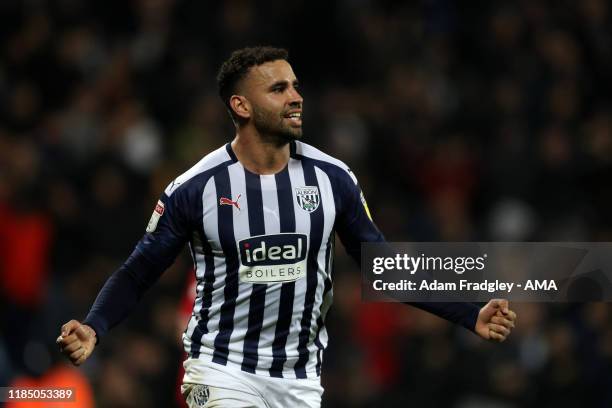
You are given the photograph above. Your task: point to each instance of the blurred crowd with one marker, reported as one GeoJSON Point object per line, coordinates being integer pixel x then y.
{"type": "Point", "coordinates": [487, 121]}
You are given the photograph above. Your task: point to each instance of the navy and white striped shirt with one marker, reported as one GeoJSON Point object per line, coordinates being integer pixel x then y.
{"type": "Point", "coordinates": [262, 246]}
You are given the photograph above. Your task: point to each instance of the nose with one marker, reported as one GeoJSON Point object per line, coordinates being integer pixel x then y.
{"type": "Point", "coordinates": [294, 97]}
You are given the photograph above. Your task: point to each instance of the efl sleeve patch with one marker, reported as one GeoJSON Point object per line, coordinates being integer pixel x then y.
{"type": "Point", "coordinates": [157, 213]}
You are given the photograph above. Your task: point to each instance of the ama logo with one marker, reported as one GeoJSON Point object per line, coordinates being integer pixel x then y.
{"type": "Point", "coordinates": [273, 258]}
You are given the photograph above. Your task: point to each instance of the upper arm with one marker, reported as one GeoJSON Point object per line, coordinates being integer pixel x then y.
{"type": "Point", "coordinates": [354, 222]}
{"type": "Point", "coordinates": [170, 227]}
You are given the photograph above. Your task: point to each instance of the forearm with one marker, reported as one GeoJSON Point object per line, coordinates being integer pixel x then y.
{"type": "Point", "coordinates": [461, 313]}
{"type": "Point", "coordinates": [121, 292]}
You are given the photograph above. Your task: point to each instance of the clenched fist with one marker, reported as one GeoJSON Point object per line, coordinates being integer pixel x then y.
{"type": "Point", "coordinates": [495, 320]}
{"type": "Point", "coordinates": [77, 341]}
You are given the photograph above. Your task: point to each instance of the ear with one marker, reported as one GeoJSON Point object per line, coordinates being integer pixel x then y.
{"type": "Point", "coordinates": [241, 106]}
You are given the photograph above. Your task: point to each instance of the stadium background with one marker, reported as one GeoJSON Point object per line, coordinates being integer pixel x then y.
{"type": "Point", "coordinates": [463, 121]}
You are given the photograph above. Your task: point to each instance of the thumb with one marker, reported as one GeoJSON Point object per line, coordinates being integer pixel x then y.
{"type": "Point", "coordinates": [490, 309]}
{"type": "Point", "coordinates": [503, 305]}
{"type": "Point", "coordinates": [69, 327]}
{"type": "Point", "coordinates": [83, 332]}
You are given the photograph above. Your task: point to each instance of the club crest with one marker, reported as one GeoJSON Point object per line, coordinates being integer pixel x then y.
{"type": "Point", "coordinates": [200, 394]}
{"type": "Point", "coordinates": [308, 198]}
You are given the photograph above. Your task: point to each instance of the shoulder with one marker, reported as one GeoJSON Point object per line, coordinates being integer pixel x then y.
{"type": "Point", "coordinates": [333, 167]}
{"type": "Point", "coordinates": [197, 176]}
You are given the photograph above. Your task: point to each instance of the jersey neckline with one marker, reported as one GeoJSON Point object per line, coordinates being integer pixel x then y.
{"type": "Point", "coordinates": [234, 158]}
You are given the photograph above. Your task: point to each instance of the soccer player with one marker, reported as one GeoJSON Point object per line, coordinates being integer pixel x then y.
{"type": "Point", "coordinates": [259, 215]}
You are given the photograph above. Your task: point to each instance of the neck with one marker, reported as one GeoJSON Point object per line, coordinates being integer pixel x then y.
{"type": "Point", "coordinates": [259, 156]}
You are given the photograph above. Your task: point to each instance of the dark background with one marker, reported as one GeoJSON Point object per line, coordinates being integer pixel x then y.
{"type": "Point", "coordinates": [464, 121]}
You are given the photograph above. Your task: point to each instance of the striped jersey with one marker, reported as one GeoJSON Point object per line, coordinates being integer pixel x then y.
{"type": "Point", "coordinates": [262, 247]}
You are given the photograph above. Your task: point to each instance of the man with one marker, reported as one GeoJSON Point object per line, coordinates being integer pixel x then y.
{"type": "Point", "coordinates": [260, 215]}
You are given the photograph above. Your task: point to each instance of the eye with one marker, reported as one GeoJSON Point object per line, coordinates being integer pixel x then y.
{"type": "Point", "coordinates": [279, 87]}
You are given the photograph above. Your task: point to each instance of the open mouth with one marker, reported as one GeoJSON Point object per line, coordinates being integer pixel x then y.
{"type": "Point", "coordinates": [294, 117]}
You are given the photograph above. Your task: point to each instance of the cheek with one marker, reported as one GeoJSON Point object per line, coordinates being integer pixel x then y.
{"type": "Point", "coordinates": [264, 114]}
{"type": "Point", "coordinates": [271, 104]}
{"type": "Point", "coordinates": [267, 114]}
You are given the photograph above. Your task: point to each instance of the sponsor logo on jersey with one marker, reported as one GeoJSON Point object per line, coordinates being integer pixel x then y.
{"type": "Point", "coordinates": [157, 213]}
{"type": "Point", "coordinates": [308, 198]}
{"type": "Point", "coordinates": [273, 258]}
{"type": "Point", "coordinates": [228, 201]}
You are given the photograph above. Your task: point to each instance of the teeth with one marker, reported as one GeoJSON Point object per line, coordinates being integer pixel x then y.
{"type": "Point", "coordinates": [295, 115]}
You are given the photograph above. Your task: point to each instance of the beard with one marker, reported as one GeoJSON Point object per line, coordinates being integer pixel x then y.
{"type": "Point", "coordinates": [273, 128]}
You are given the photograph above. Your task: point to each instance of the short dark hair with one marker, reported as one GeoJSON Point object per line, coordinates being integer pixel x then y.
{"type": "Point", "coordinates": [239, 63]}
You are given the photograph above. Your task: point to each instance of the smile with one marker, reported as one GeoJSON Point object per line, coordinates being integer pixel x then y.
{"type": "Point", "coordinates": [294, 115]}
